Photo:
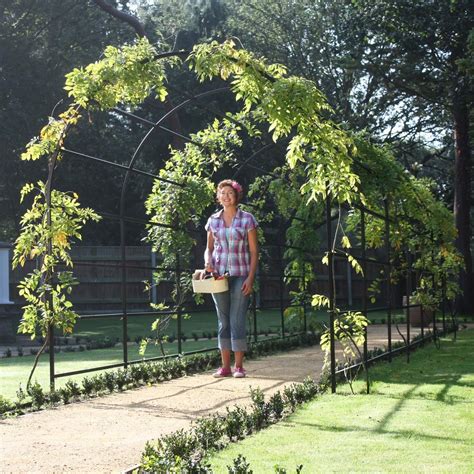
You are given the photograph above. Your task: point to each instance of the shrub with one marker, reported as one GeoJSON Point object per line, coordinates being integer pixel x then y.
{"type": "Point", "coordinates": [65, 394]}
{"type": "Point", "coordinates": [261, 410]}
{"type": "Point", "coordinates": [235, 423]}
{"type": "Point", "coordinates": [73, 388]}
{"type": "Point", "coordinates": [209, 432]}
{"type": "Point", "coordinates": [276, 406]}
{"type": "Point", "coordinates": [88, 386]}
{"type": "Point", "coordinates": [239, 466]}
{"type": "Point", "coordinates": [121, 379]}
{"type": "Point", "coordinates": [38, 398]}
{"type": "Point", "coordinates": [109, 381]}
{"type": "Point", "coordinates": [98, 383]}
{"type": "Point", "coordinates": [5, 405]}
{"type": "Point", "coordinates": [54, 397]}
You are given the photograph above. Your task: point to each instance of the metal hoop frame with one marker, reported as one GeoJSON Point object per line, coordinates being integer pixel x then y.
{"type": "Point", "coordinates": [123, 219]}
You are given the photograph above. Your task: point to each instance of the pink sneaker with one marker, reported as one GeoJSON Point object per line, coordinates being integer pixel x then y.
{"type": "Point", "coordinates": [222, 372]}
{"type": "Point", "coordinates": [239, 373]}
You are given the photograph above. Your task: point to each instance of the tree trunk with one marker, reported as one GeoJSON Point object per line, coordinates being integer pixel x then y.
{"type": "Point", "coordinates": [462, 201]}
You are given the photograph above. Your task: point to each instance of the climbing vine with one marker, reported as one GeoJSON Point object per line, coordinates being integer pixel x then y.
{"type": "Point", "coordinates": [55, 218]}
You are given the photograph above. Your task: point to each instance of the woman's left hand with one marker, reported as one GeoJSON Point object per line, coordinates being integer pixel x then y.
{"type": "Point", "coordinates": [247, 286]}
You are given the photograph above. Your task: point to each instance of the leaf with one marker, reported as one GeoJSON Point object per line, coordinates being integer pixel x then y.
{"type": "Point", "coordinates": [345, 242]}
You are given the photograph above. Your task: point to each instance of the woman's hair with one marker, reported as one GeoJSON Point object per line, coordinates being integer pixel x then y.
{"type": "Point", "coordinates": [239, 193]}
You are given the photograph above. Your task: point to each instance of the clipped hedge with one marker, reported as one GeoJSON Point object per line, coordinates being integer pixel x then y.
{"type": "Point", "coordinates": [140, 374]}
{"type": "Point", "coordinates": [188, 450]}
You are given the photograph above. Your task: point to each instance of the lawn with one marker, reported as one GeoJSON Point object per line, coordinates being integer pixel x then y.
{"type": "Point", "coordinates": [199, 323]}
{"type": "Point", "coordinates": [418, 418]}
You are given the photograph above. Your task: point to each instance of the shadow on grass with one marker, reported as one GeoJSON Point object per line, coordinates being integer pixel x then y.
{"type": "Point", "coordinates": [355, 429]}
{"type": "Point", "coordinates": [429, 368]}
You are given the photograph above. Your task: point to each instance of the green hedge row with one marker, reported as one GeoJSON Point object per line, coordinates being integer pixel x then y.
{"type": "Point", "coordinates": [188, 450]}
{"type": "Point", "coordinates": [137, 375]}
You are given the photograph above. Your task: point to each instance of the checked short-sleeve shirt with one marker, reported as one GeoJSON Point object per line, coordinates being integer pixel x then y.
{"type": "Point", "coordinates": [231, 249]}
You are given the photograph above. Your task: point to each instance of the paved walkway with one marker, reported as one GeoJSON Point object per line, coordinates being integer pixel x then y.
{"type": "Point", "coordinates": [108, 434]}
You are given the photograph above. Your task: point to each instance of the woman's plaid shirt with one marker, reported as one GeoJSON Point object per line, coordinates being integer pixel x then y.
{"type": "Point", "coordinates": [232, 255]}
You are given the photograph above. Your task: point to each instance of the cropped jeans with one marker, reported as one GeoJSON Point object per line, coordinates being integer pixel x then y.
{"type": "Point", "coordinates": [231, 307]}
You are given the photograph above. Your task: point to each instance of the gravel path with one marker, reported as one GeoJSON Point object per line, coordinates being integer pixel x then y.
{"type": "Point", "coordinates": [108, 434]}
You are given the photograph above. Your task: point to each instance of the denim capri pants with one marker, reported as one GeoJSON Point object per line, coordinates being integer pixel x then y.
{"type": "Point", "coordinates": [231, 309]}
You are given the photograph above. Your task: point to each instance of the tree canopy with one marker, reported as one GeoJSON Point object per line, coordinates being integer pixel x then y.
{"type": "Point", "coordinates": [393, 70]}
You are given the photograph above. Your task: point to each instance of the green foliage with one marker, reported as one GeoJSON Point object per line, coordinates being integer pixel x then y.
{"type": "Point", "coordinates": [38, 397]}
{"type": "Point", "coordinates": [173, 208]}
{"type": "Point", "coordinates": [322, 160]}
{"type": "Point", "coordinates": [349, 332]}
{"type": "Point", "coordinates": [47, 233]}
{"type": "Point", "coordinates": [269, 96]}
{"type": "Point", "coordinates": [183, 450]}
{"type": "Point", "coordinates": [5, 405]}
{"type": "Point", "coordinates": [424, 227]}
{"type": "Point", "coordinates": [125, 75]}
{"type": "Point", "coordinates": [239, 466]}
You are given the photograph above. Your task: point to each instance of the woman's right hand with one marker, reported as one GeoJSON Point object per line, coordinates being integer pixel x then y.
{"type": "Point", "coordinates": [207, 270]}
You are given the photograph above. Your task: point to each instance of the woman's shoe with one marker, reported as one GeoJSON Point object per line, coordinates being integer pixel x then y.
{"type": "Point", "coordinates": [222, 372]}
{"type": "Point", "coordinates": [239, 373]}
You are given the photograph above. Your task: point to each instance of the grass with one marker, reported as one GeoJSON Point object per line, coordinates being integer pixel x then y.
{"type": "Point", "coordinates": [15, 370]}
{"type": "Point", "coordinates": [418, 418]}
{"type": "Point", "coordinates": [140, 326]}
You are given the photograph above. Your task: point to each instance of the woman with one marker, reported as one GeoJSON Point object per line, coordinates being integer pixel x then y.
{"type": "Point", "coordinates": [232, 250]}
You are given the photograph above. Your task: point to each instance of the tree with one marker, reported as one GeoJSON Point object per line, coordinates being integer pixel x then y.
{"type": "Point", "coordinates": [39, 42]}
{"type": "Point", "coordinates": [416, 48]}
{"type": "Point", "coordinates": [390, 68]}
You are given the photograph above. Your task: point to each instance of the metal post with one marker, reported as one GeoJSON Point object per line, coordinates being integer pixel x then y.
{"type": "Point", "coordinates": [443, 302]}
{"type": "Point", "coordinates": [433, 282]}
{"type": "Point", "coordinates": [254, 311]}
{"type": "Point", "coordinates": [408, 287]}
{"type": "Point", "coordinates": [305, 322]}
{"type": "Point", "coordinates": [331, 292]}
{"type": "Point", "coordinates": [389, 278]}
{"type": "Point", "coordinates": [364, 293]}
{"type": "Point", "coordinates": [349, 284]}
{"type": "Point", "coordinates": [434, 309]}
{"type": "Point", "coordinates": [51, 357]}
{"type": "Point", "coordinates": [282, 289]}
{"type": "Point", "coordinates": [48, 277]}
{"type": "Point", "coordinates": [123, 287]}
{"type": "Point", "coordinates": [154, 295]}
{"type": "Point", "coordinates": [422, 311]}
{"type": "Point", "coordinates": [178, 306]}
{"type": "Point", "coordinates": [422, 314]}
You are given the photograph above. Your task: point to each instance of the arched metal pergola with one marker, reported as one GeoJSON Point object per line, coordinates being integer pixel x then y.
{"type": "Point", "coordinates": [250, 162]}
